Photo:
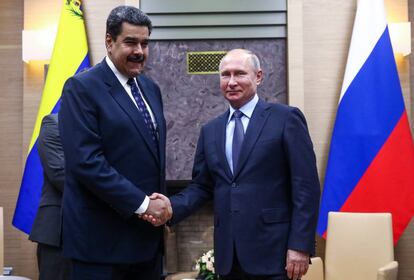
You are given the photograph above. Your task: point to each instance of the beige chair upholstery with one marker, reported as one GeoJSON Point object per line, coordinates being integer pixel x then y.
{"type": "Point", "coordinates": [359, 246]}
{"type": "Point", "coordinates": [315, 271]}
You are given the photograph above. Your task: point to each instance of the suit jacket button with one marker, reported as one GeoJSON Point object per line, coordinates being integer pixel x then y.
{"type": "Point", "coordinates": [234, 185]}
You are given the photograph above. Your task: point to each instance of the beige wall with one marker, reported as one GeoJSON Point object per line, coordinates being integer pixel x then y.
{"type": "Point", "coordinates": [319, 33]}
{"type": "Point", "coordinates": [17, 250]}
{"type": "Point", "coordinates": [319, 36]}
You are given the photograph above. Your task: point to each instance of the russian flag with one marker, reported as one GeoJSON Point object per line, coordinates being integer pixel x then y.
{"type": "Point", "coordinates": [371, 161]}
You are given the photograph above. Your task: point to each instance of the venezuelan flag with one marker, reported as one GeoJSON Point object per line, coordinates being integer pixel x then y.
{"type": "Point", "coordinates": [70, 56]}
{"type": "Point", "coordinates": [371, 161]}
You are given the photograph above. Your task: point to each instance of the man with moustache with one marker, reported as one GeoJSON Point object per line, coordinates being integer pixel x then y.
{"type": "Point", "coordinates": [256, 161]}
{"type": "Point", "coordinates": [113, 129]}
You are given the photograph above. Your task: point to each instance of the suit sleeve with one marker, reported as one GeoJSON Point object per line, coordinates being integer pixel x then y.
{"type": "Point", "coordinates": [51, 152]}
{"type": "Point", "coordinates": [198, 192]}
{"type": "Point", "coordinates": [85, 158]}
{"type": "Point", "coordinates": [305, 188]}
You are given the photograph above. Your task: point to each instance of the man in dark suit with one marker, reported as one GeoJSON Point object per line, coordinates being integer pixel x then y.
{"type": "Point", "coordinates": [47, 226]}
{"type": "Point", "coordinates": [113, 130]}
{"type": "Point", "coordinates": [257, 162]}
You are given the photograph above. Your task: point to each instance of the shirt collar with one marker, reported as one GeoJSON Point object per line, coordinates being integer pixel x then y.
{"type": "Point", "coordinates": [247, 109]}
{"type": "Point", "coordinates": [121, 78]}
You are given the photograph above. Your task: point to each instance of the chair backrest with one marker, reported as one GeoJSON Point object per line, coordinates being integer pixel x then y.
{"type": "Point", "coordinates": [357, 245]}
{"type": "Point", "coordinates": [1, 242]}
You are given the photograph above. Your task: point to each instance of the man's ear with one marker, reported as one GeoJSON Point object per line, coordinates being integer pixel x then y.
{"type": "Point", "coordinates": [108, 42]}
{"type": "Point", "coordinates": [259, 77]}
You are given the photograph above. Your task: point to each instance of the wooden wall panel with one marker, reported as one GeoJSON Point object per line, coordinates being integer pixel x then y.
{"type": "Point", "coordinates": [34, 18]}
{"type": "Point", "coordinates": [10, 22]}
{"type": "Point", "coordinates": [18, 251]}
{"type": "Point", "coordinates": [324, 56]}
{"type": "Point", "coordinates": [96, 12]}
{"type": "Point", "coordinates": [325, 53]}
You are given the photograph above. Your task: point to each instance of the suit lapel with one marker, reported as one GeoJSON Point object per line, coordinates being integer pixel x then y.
{"type": "Point", "coordinates": [221, 142]}
{"type": "Point", "coordinates": [256, 123]}
{"type": "Point", "coordinates": [125, 102]}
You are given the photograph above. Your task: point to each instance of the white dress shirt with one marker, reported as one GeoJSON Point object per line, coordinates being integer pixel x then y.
{"type": "Point", "coordinates": [247, 110]}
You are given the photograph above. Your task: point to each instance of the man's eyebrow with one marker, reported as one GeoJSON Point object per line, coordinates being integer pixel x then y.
{"type": "Point", "coordinates": [130, 38]}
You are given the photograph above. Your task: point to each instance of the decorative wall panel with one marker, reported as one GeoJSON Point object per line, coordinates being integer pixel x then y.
{"type": "Point", "coordinates": [191, 100]}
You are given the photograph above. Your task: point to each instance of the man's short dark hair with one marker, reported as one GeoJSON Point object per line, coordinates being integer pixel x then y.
{"type": "Point", "coordinates": [127, 14]}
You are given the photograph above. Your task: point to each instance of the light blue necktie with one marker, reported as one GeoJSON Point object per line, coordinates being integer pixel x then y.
{"type": "Point", "coordinates": [238, 137]}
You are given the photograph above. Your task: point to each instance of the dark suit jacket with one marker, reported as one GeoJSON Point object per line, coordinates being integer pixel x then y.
{"type": "Point", "coordinates": [111, 164]}
{"type": "Point", "coordinates": [271, 202]}
{"type": "Point", "coordinates": [47, 226]}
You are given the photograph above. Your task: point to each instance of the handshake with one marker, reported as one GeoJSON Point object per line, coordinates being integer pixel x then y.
{"type": "Point", "coordinates": [159, 210]}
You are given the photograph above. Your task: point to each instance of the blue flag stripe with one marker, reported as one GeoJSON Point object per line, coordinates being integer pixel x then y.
{"type": "Point", "coordinates": [29, 195]}
{"type": "Point", "coordinates": [85, 64]}
{"type": "Point", "coordinates": [367, 114]}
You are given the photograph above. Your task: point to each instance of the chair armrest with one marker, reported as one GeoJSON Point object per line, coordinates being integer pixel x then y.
{"type": "Point", "coordinates": [388, 271]}
{"type": "Point", "coordinates": [315, 271]}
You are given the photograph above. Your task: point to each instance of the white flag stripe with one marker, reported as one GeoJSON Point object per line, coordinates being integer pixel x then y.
{"type": "Point", "coordinates": [365, 35]}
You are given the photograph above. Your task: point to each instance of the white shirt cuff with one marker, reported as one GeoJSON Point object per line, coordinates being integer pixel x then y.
{"type": "Point", "coordinates": [144, 206]}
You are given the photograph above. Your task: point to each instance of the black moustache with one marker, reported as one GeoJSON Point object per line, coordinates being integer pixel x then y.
{"type": "Point", "coordinates": [139, 58]}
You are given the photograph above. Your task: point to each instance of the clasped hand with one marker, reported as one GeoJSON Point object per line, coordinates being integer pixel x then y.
{"type": "Point", "coordinates": [159, 210]}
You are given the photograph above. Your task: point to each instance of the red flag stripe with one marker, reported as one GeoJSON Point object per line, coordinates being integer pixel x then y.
{"type": "Point", "coordinates": [388, 183]}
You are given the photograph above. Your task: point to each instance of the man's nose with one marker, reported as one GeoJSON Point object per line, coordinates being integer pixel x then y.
{"type": "Point", "coordinates": [138, 49]}
{"type": "Point", "coordinates": [232, 81]}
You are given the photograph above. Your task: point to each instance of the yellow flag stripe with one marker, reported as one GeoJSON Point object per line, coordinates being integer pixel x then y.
{"type": "Point", "coordinates": [69, 51]}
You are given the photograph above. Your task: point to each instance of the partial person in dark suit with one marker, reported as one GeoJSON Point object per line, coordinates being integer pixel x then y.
{"type": "Point", "coordinates": [47, 226]}
{"type": "Point", "coordinates": [257, 162]}
{"type": "Point", "coordinates": [113, 130]}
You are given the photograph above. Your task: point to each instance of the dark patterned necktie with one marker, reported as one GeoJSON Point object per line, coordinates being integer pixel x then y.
{"type": "Point", "coordinates": [143, 109]}
{"type": "Point", "coordinates": [238, 136]}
